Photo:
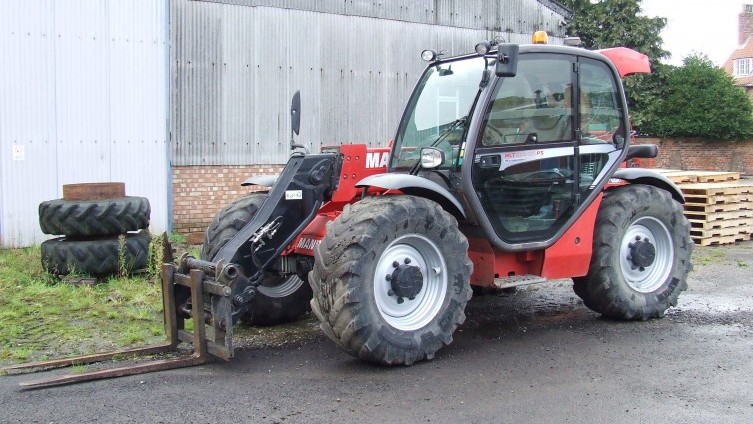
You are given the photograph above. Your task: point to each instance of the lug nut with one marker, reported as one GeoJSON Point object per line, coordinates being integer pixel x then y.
{"type": "Point", "coordinates": [389, 277]}
{"type": "Point", "coordinates": [407, 261]}
{"type": "Point", "coordinates": [400, 300]}
{"type": "Point", "coordinates": [638, 238]}
{"type": "Point", "coordinates": [630, 245]}
{"type": "Point", "coordinates": [641, 269]}
{"type": "Point", "coordinates": [412, 297]}
{"type": "Point", "coordinates": [390, 292]}
{"type": "Point", "coordinates": [395, 264]}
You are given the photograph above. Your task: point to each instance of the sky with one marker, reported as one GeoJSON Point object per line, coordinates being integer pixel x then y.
{"type": "Point", "coordinates": [706, 26]}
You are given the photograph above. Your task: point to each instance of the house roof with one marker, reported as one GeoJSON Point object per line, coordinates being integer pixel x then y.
{"type": "Point", "coordinates": [744, 51]}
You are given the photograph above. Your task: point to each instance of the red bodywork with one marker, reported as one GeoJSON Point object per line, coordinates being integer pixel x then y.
{"type": "Point", "coordinates": [359, 162]}
{"type": "Point", "coordinates": [568, 257]}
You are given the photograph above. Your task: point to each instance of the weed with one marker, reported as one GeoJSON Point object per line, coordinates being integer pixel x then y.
{"type": "Point", "coordinates": [741, 263]}
{"type": "Point", "coordinates": [194, 251]}
{"type": "Point", "coordinates": [156, 257]}
{"type": "Point", "coordinates": [122, 266]}
{"type": "Point", "coordinates": [178, 238]}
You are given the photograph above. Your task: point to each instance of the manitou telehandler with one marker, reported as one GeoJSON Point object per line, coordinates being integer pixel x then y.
{"type": "Point", "coordinates": [507, 169]}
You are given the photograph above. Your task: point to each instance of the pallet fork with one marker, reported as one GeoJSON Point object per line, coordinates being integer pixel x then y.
{"type": "Point", "coordinates": [213, 337]}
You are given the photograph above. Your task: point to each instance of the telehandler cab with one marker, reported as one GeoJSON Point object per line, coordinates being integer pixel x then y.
{"type": "Point", "coordinates": [507, 169]}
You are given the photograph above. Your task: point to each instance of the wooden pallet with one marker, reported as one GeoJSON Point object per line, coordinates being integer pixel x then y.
{"type": "Point", "coordinates": [722, 207]}
{"type": "Point", "coordinates": [681, 177]}
{"type": "Point", "coordinates": [718, 199]}
{"type": "Point", "coordinates": [717, 216]}
{"type": "Point", "coordinates": [717, 189]}
{"type": "Point", "coordinates": [698, 224]}
{"type": "Point", "coordinates": [722, 232]}
{"type": "Point", "coordinates": [712, 241]}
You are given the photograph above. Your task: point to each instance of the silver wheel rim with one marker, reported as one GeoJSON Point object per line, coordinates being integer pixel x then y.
{"type": "Point", "coordinates": [286, 288]}
{"type": "Point", "coordinates": [647, 279]}
{"type": "Point", "coordinates": [424, 254]}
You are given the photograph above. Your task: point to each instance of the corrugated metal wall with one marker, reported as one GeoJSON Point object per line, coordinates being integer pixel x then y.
{"type": "Point", "coordinates": [83, 98]}
{"type": "Point", "coordinates": [235, 65]}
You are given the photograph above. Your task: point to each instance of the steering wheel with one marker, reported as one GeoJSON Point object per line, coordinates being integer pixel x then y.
{"type": "Point", "coordinates": [545, 176]}
{"type": "Point", "coordinates": [493, 136]}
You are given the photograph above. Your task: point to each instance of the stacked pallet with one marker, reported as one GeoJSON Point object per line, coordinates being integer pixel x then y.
{"type": "Point", "coordinates": [718, 205]}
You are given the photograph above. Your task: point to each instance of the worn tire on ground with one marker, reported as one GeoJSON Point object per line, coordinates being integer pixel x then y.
{"type": "Point", "coordinates": [352, 293]}
{"type": "Point", "coordinates": [93, 218]}
{"type": "Point", "coordinates": [641, 254]}
{"type": "Point", "coordinates": [98, 257]}
{"type": "Point", "coordinates": [280, 298]}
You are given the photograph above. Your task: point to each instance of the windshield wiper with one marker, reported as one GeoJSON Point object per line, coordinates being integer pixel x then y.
{"type": "Point", "coordinates": [453, 125]}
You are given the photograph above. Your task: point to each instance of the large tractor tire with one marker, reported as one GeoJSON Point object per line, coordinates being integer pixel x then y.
{"type": "Point", "coordinates": [97, 257]}
{"type": "Point", "coordinates": [93, 218]}
{"type": "Point", "coordinates": [641, 255]}
{"type": "Point", "coordinates": [280, 298]}
{"type": "Point", "coordinates": [391, 279]}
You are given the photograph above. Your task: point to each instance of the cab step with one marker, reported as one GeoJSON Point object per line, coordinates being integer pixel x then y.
{"type": "Point", "coordinates": [518, 280]}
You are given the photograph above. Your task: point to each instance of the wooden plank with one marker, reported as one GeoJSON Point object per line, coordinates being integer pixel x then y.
{"type": "Point", "coordinates": [698, 224]}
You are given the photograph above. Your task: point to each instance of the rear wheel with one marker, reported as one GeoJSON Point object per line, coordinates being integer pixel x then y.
{"type": "Point", "coordinates": [641, 255]}
{"type": "Point", "coordinates": [280, 297]}
{"type": "Point", "coordinates": [391, 279]}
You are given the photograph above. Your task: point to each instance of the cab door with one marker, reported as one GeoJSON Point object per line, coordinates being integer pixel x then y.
{"type": "Point", "coordinates": [544, 144]}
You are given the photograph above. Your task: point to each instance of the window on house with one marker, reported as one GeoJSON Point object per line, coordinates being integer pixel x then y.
{"type": "Point", "coordinates": [743, 67]}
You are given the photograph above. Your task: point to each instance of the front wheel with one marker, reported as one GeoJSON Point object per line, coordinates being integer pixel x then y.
{"type": "Point", "coordinates": [641, 254]}
{"type": "Point", "coordinates": [391, 279]}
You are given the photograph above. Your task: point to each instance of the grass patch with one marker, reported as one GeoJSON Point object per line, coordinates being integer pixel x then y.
{"type": "Point", "coordinates": [708, 256]}
{"type": "Point", "coordinates": [42, 317]}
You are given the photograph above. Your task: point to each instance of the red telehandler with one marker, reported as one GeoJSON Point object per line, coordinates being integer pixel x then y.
{"type": "Point", "coordinates": [507, 169]}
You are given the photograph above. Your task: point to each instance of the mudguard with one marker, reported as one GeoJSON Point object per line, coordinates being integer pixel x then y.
{"type": "Point", "coordinates": [260, 180]}
{"type": "Point", "coordinates": [650, 177]}
{"type": "Point", "coordinates": [411, 184]}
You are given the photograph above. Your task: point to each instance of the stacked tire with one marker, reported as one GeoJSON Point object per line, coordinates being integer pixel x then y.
{"type": "Point", "coordinates": [89, 220]}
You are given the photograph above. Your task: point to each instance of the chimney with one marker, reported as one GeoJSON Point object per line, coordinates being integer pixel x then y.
{"type": "Point", "coordinates": [745, 24]}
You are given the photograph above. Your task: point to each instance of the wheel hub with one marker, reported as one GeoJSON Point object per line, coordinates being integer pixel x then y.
{"type": "Point", "coordinates": [642, 252]}
{"type": "Point", "coordinates": [406, 281]}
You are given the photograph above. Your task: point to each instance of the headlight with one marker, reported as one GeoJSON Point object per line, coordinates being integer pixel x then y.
{"type": "Point", "coordinates": [431, 157]}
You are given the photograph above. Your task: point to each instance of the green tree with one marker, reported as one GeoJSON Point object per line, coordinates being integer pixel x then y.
{"type": "Point", "coordinates": [612, 23]}
{"type": "Point", "coordinates": [702, 101]}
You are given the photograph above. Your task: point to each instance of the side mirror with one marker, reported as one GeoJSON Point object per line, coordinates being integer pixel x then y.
{"type": "Point", "coordinates": [295, 112]}
{"type": "Point", "coordinates": [507, 60]}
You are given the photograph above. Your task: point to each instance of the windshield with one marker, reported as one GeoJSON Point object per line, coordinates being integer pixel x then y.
{"type": "Point", "coordinates": [444, 95]}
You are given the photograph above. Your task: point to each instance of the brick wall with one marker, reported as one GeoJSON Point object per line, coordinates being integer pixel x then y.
{"type": "Point", "coordinates": [699, 155]}
{"type": "Point", "coordinates": [199, 192]}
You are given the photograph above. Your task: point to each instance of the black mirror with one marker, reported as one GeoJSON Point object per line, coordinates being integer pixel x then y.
{"type": "Point", "coordinates": [507, 60]}
{"type": "Point", "coordinates": [295, 112]}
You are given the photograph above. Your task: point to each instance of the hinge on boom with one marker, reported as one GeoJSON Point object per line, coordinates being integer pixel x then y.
{"type": "Point", "coordinates": [267, 231]}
